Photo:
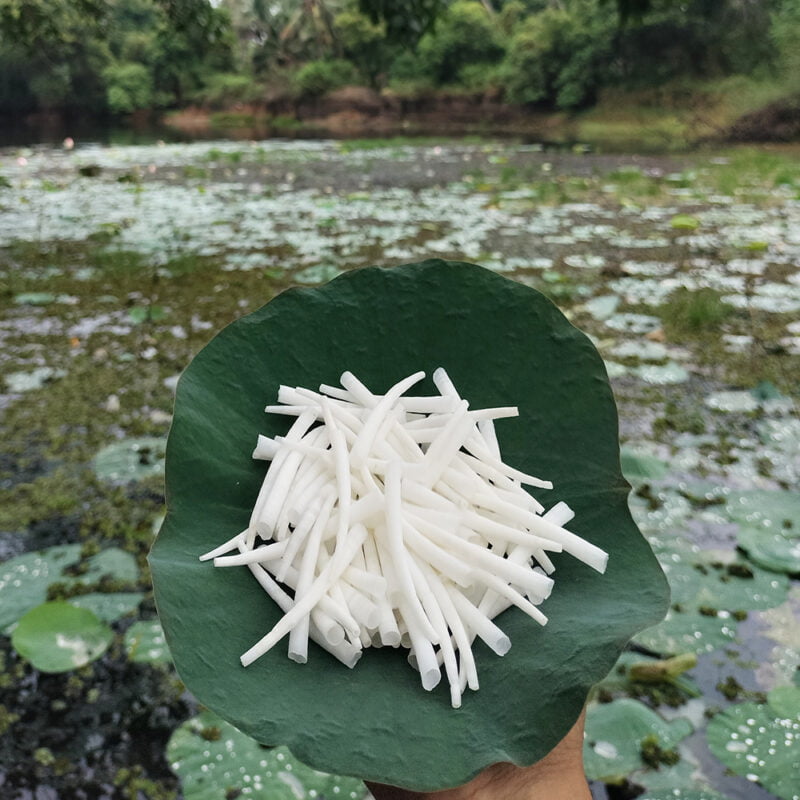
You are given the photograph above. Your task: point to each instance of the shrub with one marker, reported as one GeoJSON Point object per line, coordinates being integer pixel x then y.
{"type": "Point", "coordinates": [225, 89]}
{"type": "Point", "coordinates": [129, 87]}
{"type": "Point", "coordinates": [785, 34]}
{"type": "Point", "coordinates": [318, 77]}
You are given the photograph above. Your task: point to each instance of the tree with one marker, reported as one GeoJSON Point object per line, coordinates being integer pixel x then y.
{"type": "Point", "coordinates": [559, 57]}
{"type": "Point", "coordinates": [464, 37]}
{"type": "Point", "coordinates": [406, 20]}
{"type": "Point", "coordinates": [33, 24]}
{"type": "Point", "coordinates": [364, 43]}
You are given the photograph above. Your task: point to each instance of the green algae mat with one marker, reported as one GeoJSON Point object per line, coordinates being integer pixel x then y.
{"type": "Point", "coordinates": [502, 344]}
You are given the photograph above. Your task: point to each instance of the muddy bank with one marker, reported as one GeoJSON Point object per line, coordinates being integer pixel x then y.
{"type": "Point", "coordinates": [355, 111]}
{"type": "Point", "coordinates": [776, 122]}
{"type": "Point", "coordinates": [359, 112]}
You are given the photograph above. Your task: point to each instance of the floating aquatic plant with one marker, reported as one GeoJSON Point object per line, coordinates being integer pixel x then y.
{"type": "Point", "coordinates": [762, 741]}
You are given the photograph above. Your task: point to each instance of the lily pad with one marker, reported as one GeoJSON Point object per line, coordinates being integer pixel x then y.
{"type": "Point", "coordinates": [762, 742]}
{"type": "Point", "coordinates": [639, 467]}
{"type": "Point", "coordinates": [214, 760]}
{"type": "Point", "coordinates": [688, 632]}
{"type": "Point", "coordinates": [19, 382]}
{"type": "Point", "coordinates": [108, 607]}
{"type": "Point", "coordinates": [763, 509]}
{"type": "Point", "coordinates": [684, 780]}
{"type": "Point", "coordinates": [602, 307]}
{"type": "Point", "coordinates": [614, 734]}
{"type": "Point", "coordinates": [59, 637]}
{"type": "Point", "coordinates": [24, 579]}
{"type": "Point", "coordinates": [661, 374]}
{"type": "Point", "coordinates": [144, 642]}
{"type": "Point", "coordinates": [130, 459]}
{"type": "Point", "coordinates": [34, 298]}
{"type": "Point", "coordinates": [733, 586]}
{"type": "Point", "coordinates": [771, 550]}
{"type": "Point", "coordinates": [684, 222]}
{"type": "Point", "coordinates": [683, 794]}
{"type": "Point", "coordinates": [113, 562]}
{"type": "Point", "coordinates": [502, 343]}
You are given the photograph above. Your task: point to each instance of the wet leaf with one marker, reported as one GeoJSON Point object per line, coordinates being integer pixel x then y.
{"type": "Point", "coordinates": [684, 222]}
{"type": "Point", "coordinates": [34, 298]}
{"type": "Point", "coordinates": [734, 585]}
{"type": "Point", "coordinates": [502, 343]}
{"type": "Point", "coordinates": [774, 551]}
{"type": "Point", "coordinates": [682, 794]}
{"type": "Point", "coordinates": [639, 467]}
{"type": "Point", "coordinates": [614, 735]}
{"type": "Point", "coordinates": [113, 562]}
{"type": "Point", "coordinates": [140, 314]}
{"type": "Point", "coordinates": [59, 637]}
{"type": "Point", "coordinates": [18, 382]}
{"type": "Point", "coordinates": [758, 508]}
{"type": "Point", "coordinates": [24, 579]}
{"type": "Point", "coordinates": [661, 374]}
{"type": "Point", "coordinates": [214, 761]}
{"type": "Point", "coordinates": [130, 459]}
{"type": "Point", "coordinates": [762, 742]}
{"type": "Point", "coordinates": [108, 607]}
{"type": "Point", "coordinates": [144, 642]}
{"type": "Point", "coordinates": [688, 632]}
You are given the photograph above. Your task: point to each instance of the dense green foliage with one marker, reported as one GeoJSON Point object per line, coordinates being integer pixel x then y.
{"type": "Point", "coordinates": [119, 56]}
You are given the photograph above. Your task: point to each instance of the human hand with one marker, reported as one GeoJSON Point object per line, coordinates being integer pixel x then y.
{"type": "Point", "coordinates": [558, 776]}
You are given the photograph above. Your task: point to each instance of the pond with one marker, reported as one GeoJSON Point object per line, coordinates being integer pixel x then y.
{"type": "Point", "coordinates": [117, 264]}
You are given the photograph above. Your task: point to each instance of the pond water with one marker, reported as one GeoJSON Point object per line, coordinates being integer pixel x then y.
{"type": "Point", "coordinates": [118, 263]}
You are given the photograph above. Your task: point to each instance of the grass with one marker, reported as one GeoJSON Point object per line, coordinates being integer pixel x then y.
{"type": "Point", "coordinates": [379, 143]}
{"type": "Point", "coordinates": [694, 313]}
{"type": "Point", "coordinates": [674, 117]}
{"type": "Point", "coordinates": [750, 168]}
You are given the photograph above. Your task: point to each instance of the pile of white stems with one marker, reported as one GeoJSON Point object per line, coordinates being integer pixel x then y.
{"type": "Point", "coordinates": [391, 520]}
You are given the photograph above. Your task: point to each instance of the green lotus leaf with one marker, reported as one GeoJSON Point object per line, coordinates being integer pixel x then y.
{"type": "Point", "coordinates": [108, 607]}
{"type": "Point", "coordinates": [144, 642]}
{"type": "Point", "coordinates": [685, 222]}
{"type": "Point", "coordinates": [762, 742]}
{"type": "Point", "coordinates": [640, 468]}
{"type": "Point", "coordinates": [113, 562]}
{"type": "Point", "coordinates": [683, 794]}
{"type": "Point", "coordinates": [34, 298]}
{"type": "Point", "coordinates": [688, 632]}
{"type": "Point", "coordinates": [24, 579]}
{"type": "Point", "coordinates": [759, 508]}
{"type": "Point", "coordinates": [683, 781]}
{"type": "Point", "coordinates": [771, 549]}
{"type": "Point", "coordinates": [616, 733]}
{"type": "Point", "coordinates": [214, 760]}
{"type": "Point", "coordinates": [503, 344]}
{"type": "Point", "coordinates": [726, 587]}
{"type": "Point", "coordinates": [130, 460]}
{"type": "Point", "coordinates": [59, 637]}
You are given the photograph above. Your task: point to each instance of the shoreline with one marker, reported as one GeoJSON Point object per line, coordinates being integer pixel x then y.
{"type": "Point", "coordinates": [649, 123]}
